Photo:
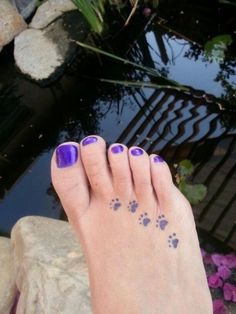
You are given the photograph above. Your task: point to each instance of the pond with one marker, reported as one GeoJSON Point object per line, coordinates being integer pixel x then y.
{"type": "Point", "coordinates": [183, 43]}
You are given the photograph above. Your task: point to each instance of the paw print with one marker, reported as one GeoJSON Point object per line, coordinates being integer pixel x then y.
{"type": "Point", "coordinates": [132, 207]}
{"type": "Point", "coordinates": [173, 241]}
{"type": "Point", "coordinates": [115, 204]}
{"type": "Point", "coordinates": [161, 222]}
{"type": "Point", "coordinates": [144, 220]}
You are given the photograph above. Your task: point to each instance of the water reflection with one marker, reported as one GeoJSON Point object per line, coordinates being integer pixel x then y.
{"type": "Point", "coordinates": [176, 124]}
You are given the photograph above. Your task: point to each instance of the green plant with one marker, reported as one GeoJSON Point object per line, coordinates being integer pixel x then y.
{"type": "Point", "coordinates": [195, 193]}
{"type": "Point", "coordinates": [164, 82]}
{"type": "Point", "coordinates": [94, 10]}
{"type": "Point", "coordinates": [215, 48]}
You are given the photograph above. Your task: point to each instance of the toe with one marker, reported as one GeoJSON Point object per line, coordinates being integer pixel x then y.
{"type": "Point", "coordinates": [162, 181]}
{"type": "Point", "coordinates": [170, 199]}
{"type": "Point", "coordinates": [93, 153]}
{"type": "Point", "coordinates": [140, 166]}
{"type": "Point", "coordinates": [120, 168]}
{"type": "Point", "coordinates": [69, 179]}
{"type": "Point", "coordinates": [161, 178]}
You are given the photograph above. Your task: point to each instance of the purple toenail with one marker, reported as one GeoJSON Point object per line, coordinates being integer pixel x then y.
{"type": "Point", "coordinates": [117, 149]}
{"type": "Point", "coordinates": [137, 151]}
{"type": "Point", "coordinates": [158, 159]}
{"type": "Point", "coordinates": [66, 155]}
{"type": "Point", "coordinates": [89, 140]}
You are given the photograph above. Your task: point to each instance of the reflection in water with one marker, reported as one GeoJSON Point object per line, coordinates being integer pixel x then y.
{"type": "Point", "coordinates": [176, 125]}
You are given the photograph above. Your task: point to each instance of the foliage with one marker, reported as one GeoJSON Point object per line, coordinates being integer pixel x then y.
{"type": "Point", "coordinates": [94, 10]}
{"type": "Point", "coordinates": [195, 193]}
{"type": "Point", "coordinates": [216, 47]}
{"type": "Point", "coordinates": [164, 82]}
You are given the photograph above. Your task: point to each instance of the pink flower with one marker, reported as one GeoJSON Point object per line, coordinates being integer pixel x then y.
{"type": "Point", "coordinates": [214, 281]}
{"type": "Point", "coordinates": [208, 260]}
{"type": "Point", "coordinates": [224, 272]}
{"type": "Point", "coordinates": [230, 260]}
{"type": "Point", "coordinates": [219, 307]}
{"type": "Point", "coordinates": [147, 12]}
{"type": "Point", "coordinates": [229, 292]}
{"type": "Point", "coordinates": [217, 259]}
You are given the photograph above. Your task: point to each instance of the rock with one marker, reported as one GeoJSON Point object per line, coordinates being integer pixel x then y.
{"type": "Point", "coordinates": [41, 53]}
{"type": "Point", "coordinates": [44, 54]}
{"type": "Point", "coordinates": [7, 279]}
{"type": "Point", "coordinates": [11, 22]}
{"type": "Point", "coordinates": [25, 7]}
{"type": "Point", "coordinates": [49, 11]}
{"type": "Point", "coordinates": [51, 273]}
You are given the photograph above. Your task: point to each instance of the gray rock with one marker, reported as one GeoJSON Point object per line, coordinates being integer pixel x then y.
{"type": "Point", "coordinates": [49, 11]}
{"type": "Point", "coordinates": [42, 53]}
{"type": "Point", "coordinates": [7, 278]}
{"type": "Point", "coordinates": [25, 7]}
{"type": "Point", "coordinates": [11, 22]}
{"type": "Point", "coordinates": [51, 273]}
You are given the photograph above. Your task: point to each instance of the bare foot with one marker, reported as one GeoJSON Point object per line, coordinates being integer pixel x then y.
{"type": "Point", "coordinates": [136, 228]}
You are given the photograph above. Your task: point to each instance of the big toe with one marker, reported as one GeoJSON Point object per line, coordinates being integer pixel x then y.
{"type": "Point", "coordinates": [69, 180]}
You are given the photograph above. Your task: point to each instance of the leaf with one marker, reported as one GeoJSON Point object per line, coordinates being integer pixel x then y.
{"type": "Point", "coordinates": [195, 193]}
{"type": "Point", "coordinates": [185, 168]}
{"type": "Point", "coordinates": [138, 84]}
{"type": "Point", "coordinates": [216, 47]}
{"type": "Point", "coordinates": [148, 70]}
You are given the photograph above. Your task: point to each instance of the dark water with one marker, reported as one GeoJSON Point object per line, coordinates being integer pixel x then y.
{"type": "Point", "coordinates": [179, 125]}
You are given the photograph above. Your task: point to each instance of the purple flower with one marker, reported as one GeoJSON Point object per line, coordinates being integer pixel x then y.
{"type": "Point", "coordinates": [224, 272]}
{"type": "Point", "coordinates": [219, 307]}
{"type": "Point", "coordinates": [230, 260]}
{"type": "Point", "coordinates": [208, 260]}
{"type": "Point", "coordinates": [214, 281]}
{"type": "Point", "coordinates": [229, 292]}
{"type": "Point", "coordinates": [147, 12]}
{"type": "Point", "coordinates": [217, 259]}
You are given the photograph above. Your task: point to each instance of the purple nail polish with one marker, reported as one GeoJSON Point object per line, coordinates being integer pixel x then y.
{"type": "Point", "coordinates": [89, 140]}
{"type": "Point", "coordinates": [66, 155]}
{"type": "Point", "coordinates": [136, 151]}
{"type": "Point", "coordinates": [116, 149]}
{"type": "Point", "coordinates": [158, 159]}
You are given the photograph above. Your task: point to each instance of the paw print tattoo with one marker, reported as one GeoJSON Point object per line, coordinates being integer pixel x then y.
{"type": "Point", "coordinates": [161, 222]}
{"type": "Point", "coordinates": [132, 207]}
{"type": "Point", "coordinates": [173, 241]}
{"type": "Point", "coordinates": [144, 219]}
{"type": "Point", "coordinates": [115, 204]}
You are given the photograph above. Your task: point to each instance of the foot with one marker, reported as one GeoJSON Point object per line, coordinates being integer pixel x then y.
{"type": "Point", "coordinates": [136, 229]}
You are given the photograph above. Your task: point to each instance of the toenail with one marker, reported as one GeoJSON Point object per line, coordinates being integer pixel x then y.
{"type": "Point", "coordinates": [157, 159]}
{"type": "Point", "coordinates": [116, 149]}
{"type": "Point", "coordinates": [136, 151]}
{"type": "Point", "coordinates": [66, 155]}
{"type": "Point", "coordinates": [89, 140]}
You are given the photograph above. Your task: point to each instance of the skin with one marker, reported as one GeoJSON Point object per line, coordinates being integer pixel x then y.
{"type": "Point", "coordinates": [137, 264]}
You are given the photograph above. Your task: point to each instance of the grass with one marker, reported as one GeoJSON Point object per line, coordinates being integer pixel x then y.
{"type": "Point", "coordinates": [166, 83]}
